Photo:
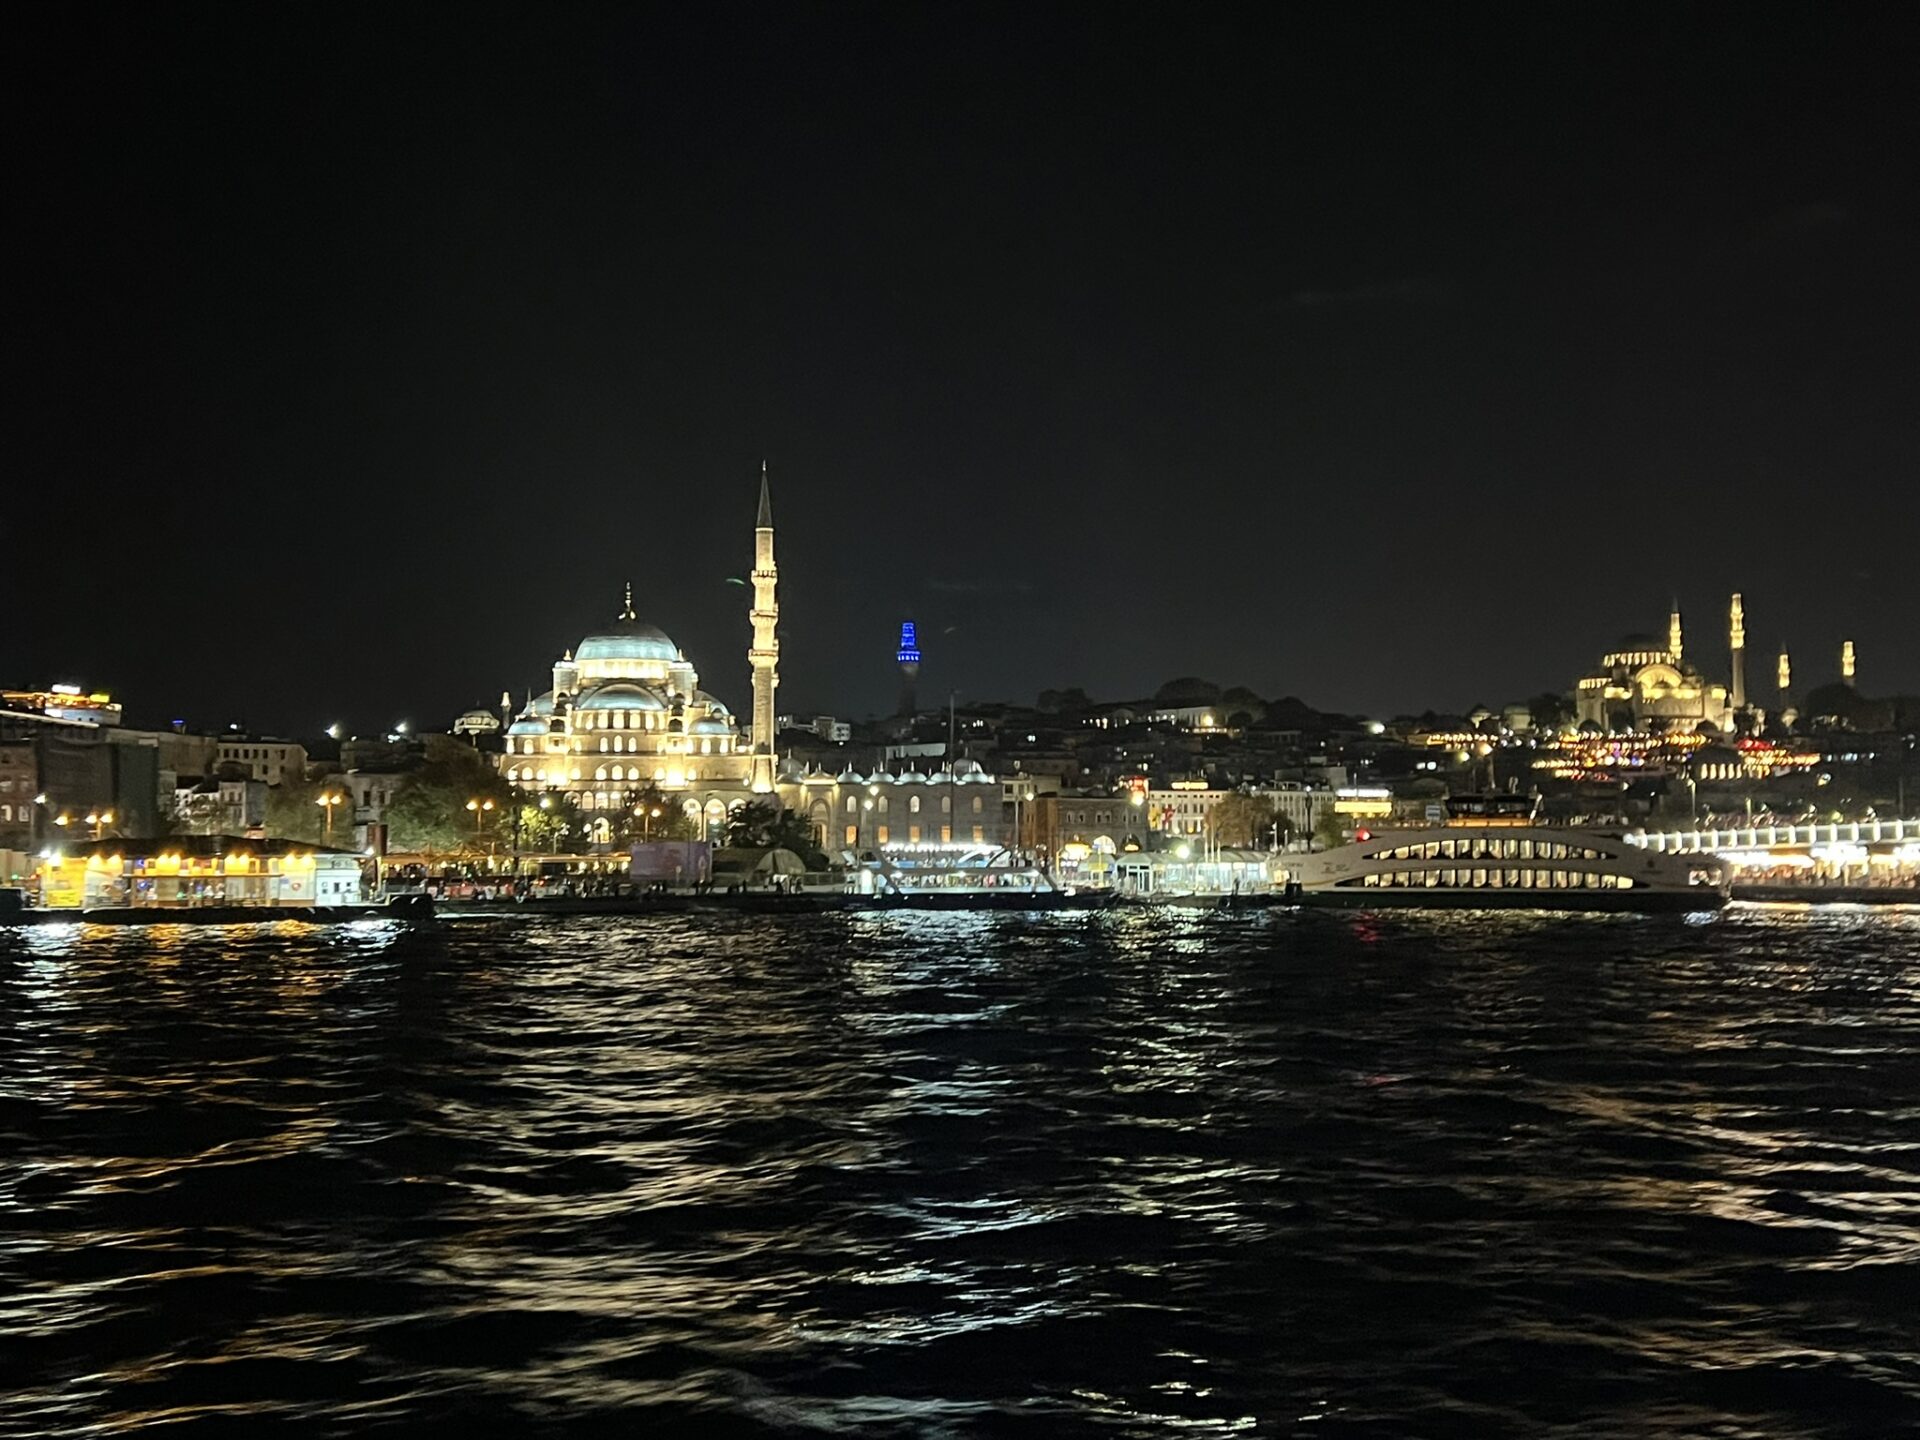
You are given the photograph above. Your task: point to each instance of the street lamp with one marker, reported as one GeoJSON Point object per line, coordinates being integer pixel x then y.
{"type": "Point", "coordinates": [480, 809]}
{"type": "Point", "coordinates": [648, 814]}
{"type": "Point", "coordinates": [327, 802]}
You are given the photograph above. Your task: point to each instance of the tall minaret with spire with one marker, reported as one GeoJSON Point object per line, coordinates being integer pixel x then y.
{"type": "Point", "coordinates": [1737, 644]}
{"type": "Point", "coordinates": [1673, 631]}
{"type": "Point", "coordinates": [764, 657]}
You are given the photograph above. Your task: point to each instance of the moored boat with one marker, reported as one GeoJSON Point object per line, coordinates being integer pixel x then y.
{"type": "Point", "coordinates": [1492, 855]}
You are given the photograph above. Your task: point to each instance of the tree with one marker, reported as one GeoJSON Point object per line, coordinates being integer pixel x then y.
{"type": "Point", "coordinates": [1241, 820]}
{"type": "Point", "coordinates": [546, 825]}
{"type": "Point", "coordinates": [764, 824]}
{"type": "Point", "coordinates": [1550, 710]}
{"type": "Point", "coordinates": [1187, 690]}
{"type": "Point", "coordinates": [1330, 829]}
{"type": "Point", "coordinates": [294, 812]}
{"type": "Point", "coordinates": [650, 814]}
{"type": "Point", "coordinates": [1072, 701]}
{"type": "Point", "coordinates": [429, 808]}
{"type": "Point", "coordinates": [1243, 707]}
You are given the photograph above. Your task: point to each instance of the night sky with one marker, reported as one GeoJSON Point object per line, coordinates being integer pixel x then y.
{"type": "Point", "coordinates": [1391, 358]}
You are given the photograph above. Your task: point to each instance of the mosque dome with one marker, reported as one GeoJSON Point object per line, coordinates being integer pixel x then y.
{"type": "Point", "coordinates": [628, 640]}
{"type": "Point", "coordinates": [710, 727]}
{"type": "Point", "coordinates": [621, 697]}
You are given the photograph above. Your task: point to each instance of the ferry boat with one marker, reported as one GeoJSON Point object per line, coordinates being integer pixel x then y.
{"type": "Point", "coordinates": [1490, 853]}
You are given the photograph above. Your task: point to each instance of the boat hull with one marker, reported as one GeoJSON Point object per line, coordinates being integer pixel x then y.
{"type": "Point", "coordinates": [409, 908]}
{"type": "Point", "coordinates": [1611, 902]}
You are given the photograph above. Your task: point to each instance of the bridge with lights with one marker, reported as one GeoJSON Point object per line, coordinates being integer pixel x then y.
{"type": "Point", "coordinates": [1809, 837]}
{"type": "Point", "coordinates": [1879, 859]}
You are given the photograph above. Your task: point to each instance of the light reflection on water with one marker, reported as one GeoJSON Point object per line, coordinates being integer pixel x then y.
{"type": "Point", "coordinates": [966, 1175]}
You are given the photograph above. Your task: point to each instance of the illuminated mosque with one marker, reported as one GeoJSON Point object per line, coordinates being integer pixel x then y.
{"type": "Point", "coordinates": [626, 712]}
{"type": "Point", "coordinates": [1645, 685]}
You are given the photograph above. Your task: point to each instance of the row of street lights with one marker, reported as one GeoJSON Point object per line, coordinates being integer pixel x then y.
{"type": "Point", "coordinates": [98, 820]}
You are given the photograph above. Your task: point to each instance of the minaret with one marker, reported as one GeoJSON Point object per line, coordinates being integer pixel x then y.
{"type": "Point", "coordinates": [1786, 673]}
{"type": "Point", "coordinates": [1737, 643]}
{"type": "Point", "coordinates": [1673, 631]}
{"type": "Point", "coordinates": [1846, 663]}
{"type": "Point", "coordinates": [765, 654]}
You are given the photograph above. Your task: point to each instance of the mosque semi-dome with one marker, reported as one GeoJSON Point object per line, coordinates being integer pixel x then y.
{"type": "Point", "coordinates": [621, 697]}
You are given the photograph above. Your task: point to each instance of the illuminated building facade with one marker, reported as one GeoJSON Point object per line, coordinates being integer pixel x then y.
{"type": "Point", "coordinates": [63, 702]}
{"type": "Point", "coordinates": [183, 871]}
{"type": "Point", "coordinates": [1646, 684]}
{"type": "Point", "coordinates": [626, 712]}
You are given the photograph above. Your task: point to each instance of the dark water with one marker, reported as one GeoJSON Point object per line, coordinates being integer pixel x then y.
{"type": "Point", "coordinates": [1339, 1176]}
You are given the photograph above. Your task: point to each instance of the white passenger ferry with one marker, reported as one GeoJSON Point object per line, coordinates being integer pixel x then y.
{"type": "Point", "coordinates": [1490, 854]}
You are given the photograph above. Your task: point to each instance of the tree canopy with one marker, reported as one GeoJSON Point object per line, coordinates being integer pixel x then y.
{"type": "Point", "coordinates": [429, 808]}
{"type": "Point", "coordinates": [763, 824]}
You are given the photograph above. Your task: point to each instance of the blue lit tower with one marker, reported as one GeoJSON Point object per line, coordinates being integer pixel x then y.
{"type": "Point", "coordinates": [909, 657]}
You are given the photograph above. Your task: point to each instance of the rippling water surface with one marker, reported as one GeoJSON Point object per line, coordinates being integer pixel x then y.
{"type": "Point", "coordinates": [893, 1175]}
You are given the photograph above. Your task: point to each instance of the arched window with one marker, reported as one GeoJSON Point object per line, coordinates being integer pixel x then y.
{"type": "Point", "coordinates": [913, 804]}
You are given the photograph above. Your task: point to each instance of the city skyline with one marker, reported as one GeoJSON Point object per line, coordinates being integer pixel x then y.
{"type": "Point", "coordinates": [1129, 352]}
